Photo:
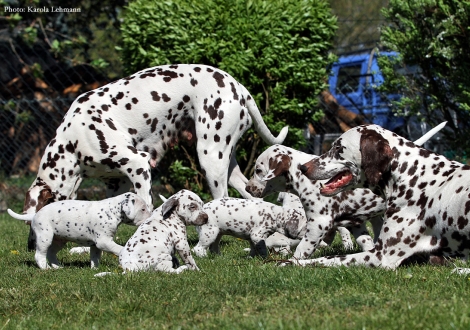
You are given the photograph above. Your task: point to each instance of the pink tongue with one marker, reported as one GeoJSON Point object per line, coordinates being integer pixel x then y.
{"type": "Point", "coordinates": [341, 181]}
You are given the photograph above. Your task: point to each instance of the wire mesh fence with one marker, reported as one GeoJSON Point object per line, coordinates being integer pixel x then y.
{"type": "Point", "coordinates": [36, 91]}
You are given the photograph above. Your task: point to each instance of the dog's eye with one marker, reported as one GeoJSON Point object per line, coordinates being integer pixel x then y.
{"type": "Point", "coordinates": [192, 207]}
{"type": "Point", "coordinates": [258, 171]}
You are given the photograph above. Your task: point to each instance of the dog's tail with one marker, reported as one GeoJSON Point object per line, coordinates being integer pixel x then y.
{"type": "Point", "coordinates": [24, 217]}
{"type": "Point", "coordinates": [260, 125]}
{"type": "Point", "coordinates": [422, 140]}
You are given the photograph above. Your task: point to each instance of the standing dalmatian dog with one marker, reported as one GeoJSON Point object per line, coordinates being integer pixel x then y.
{"type": "Point", "coordinates": [427, 196]}
{"type": "Point", "coordinates": [118, 131]}
{"type": "Point", "coordinates": [277, 169]}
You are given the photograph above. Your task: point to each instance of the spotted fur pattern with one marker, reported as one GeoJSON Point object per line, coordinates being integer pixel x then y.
{"type": "Point", "coordinates": [92, 224]}
{"type": "Point", "coordinates": [277, 169]}
{"type": "Point", "coordinates": [153, 245]}
{"type": "Point", "coordinates": [118, 131]}
{"type": "Point", "coordinates": [427, 196]}
{"type": "Point", "coordinates": [252, 220]}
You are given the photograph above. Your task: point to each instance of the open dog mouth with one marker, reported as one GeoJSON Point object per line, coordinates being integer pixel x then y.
{"type": "Point", "coordinates": [334, 185]}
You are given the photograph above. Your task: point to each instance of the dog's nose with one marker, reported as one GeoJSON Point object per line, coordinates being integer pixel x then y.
{"type": "Point", "coordinates": [204, 218]}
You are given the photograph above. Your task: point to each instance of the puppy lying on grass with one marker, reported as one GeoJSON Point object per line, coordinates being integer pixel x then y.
{"type": "Point", "coordinates": [153, 245]}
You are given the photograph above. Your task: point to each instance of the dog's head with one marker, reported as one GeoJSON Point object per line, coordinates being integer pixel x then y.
{"type": "Point", "coordinates": [38, 196]}
{"type": "Point", "coordinates": [271, 171]}
{"type": "Point", "coordinates": [358, 158]}
{"type": "Point", "coordinates": [187, 206]}
{"type": "Point", "coordinates": [134, 208]}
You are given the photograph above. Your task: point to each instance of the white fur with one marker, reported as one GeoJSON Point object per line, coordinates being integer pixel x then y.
{"type": "Point", "coordinates": [153, 245]}
{"type": "Point", "coordinates": [93, 224]}
{"type": "Point", "coordinates": [253, 220]}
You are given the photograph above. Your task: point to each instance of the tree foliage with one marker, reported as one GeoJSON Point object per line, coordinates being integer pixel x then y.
{"type": "Point", "coordinates": [433, 39]}
{"type": "Point", "coordinates": [49, 58]}
{"type": "Point", "coordinates": [277, 49]}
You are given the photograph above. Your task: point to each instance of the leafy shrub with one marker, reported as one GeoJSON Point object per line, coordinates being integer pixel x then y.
{"type": "Point", "coordinates": [277, 49]}
{"type": "Point", "coordinates": [433, 39]}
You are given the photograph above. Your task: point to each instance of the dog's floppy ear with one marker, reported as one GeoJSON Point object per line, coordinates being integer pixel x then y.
{"type": "Point", "coordinates": [277, 167]}
{"type": "Point", "coordinates": [45, 197]}
{"type": "Point", "coordinates": [168, 206]}
{"type": "Point", "coordinates": [376, 156]}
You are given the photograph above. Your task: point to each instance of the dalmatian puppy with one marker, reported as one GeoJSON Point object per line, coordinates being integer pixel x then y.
{"type": "Point", "coordinates": [277, 169]}
{"type": "Point", "coordinates": [119, 131]}
{"type": "Point", "coordinates": [153, 245]}
{"type": "Point", "coordinates": [92, 224]}
{"type": "Point", "coordinates": [252, 220]}
{"type": "Point", "coordinates": [427, 195]}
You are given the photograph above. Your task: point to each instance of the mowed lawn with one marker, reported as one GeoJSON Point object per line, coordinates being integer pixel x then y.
{"type": "Point", "coordinates": [230, 292]}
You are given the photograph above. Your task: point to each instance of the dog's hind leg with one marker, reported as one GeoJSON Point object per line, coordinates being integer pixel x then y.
{"type": "Point", "coordinates": [55, 247]}
{"type": "Point", "coordinates": [41, 254]}
{"type": "Point", "coordinates": [95, 256]}
{"type": "Point", "coordinates": [135, 172]}
{"type": "Point", "coordinates": [208, 239]}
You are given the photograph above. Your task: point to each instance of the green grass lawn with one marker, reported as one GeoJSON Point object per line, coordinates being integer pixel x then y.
{"type": "Point", "coordinates": [230, 292]}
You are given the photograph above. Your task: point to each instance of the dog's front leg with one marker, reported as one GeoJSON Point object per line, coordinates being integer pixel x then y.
{"type": "Point", "coordinates": [316, 231]}
{"type": "Point", "coordinates": [185, 253]}
{"type": "Point", "coordinates": [215, 168]}
{"type": "Point", "coordinates": [368, 258]}
{"type": "Point", "coordinates": [259, 244]}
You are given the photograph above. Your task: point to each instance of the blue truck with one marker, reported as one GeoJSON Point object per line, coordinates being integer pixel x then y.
{"type": "Point", "coordinates": [353, 81]}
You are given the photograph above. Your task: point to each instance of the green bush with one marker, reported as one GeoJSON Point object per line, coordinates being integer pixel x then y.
{"type": "Point", "coordinates": [277, 49]}
{"type": "Point", "coordinates": [433, 36]}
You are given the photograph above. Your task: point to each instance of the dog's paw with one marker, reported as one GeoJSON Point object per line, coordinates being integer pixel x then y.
{"type": "Point", "coordinates": [181, 269]}
{"type": "Point", "coordinates": [103, 274]}
{"type": "Point", "coordinates": [284, 263]}
{"type": "Point", "coordinates": [461, 271]}
{"type": "Point", "coordinates": [79, 250]}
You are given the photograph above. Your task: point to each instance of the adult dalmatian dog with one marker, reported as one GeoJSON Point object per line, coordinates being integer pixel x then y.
{"type": "Point", "coordinates": [119, 131]}
{"type": "Point", "coordinates": [278, 169]}
{"type": "Point", "coordinates": [427, 196]}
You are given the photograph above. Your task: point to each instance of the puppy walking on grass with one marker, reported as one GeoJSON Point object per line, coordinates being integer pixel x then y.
{"type": "Point", "coordinates": [92, 224]}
